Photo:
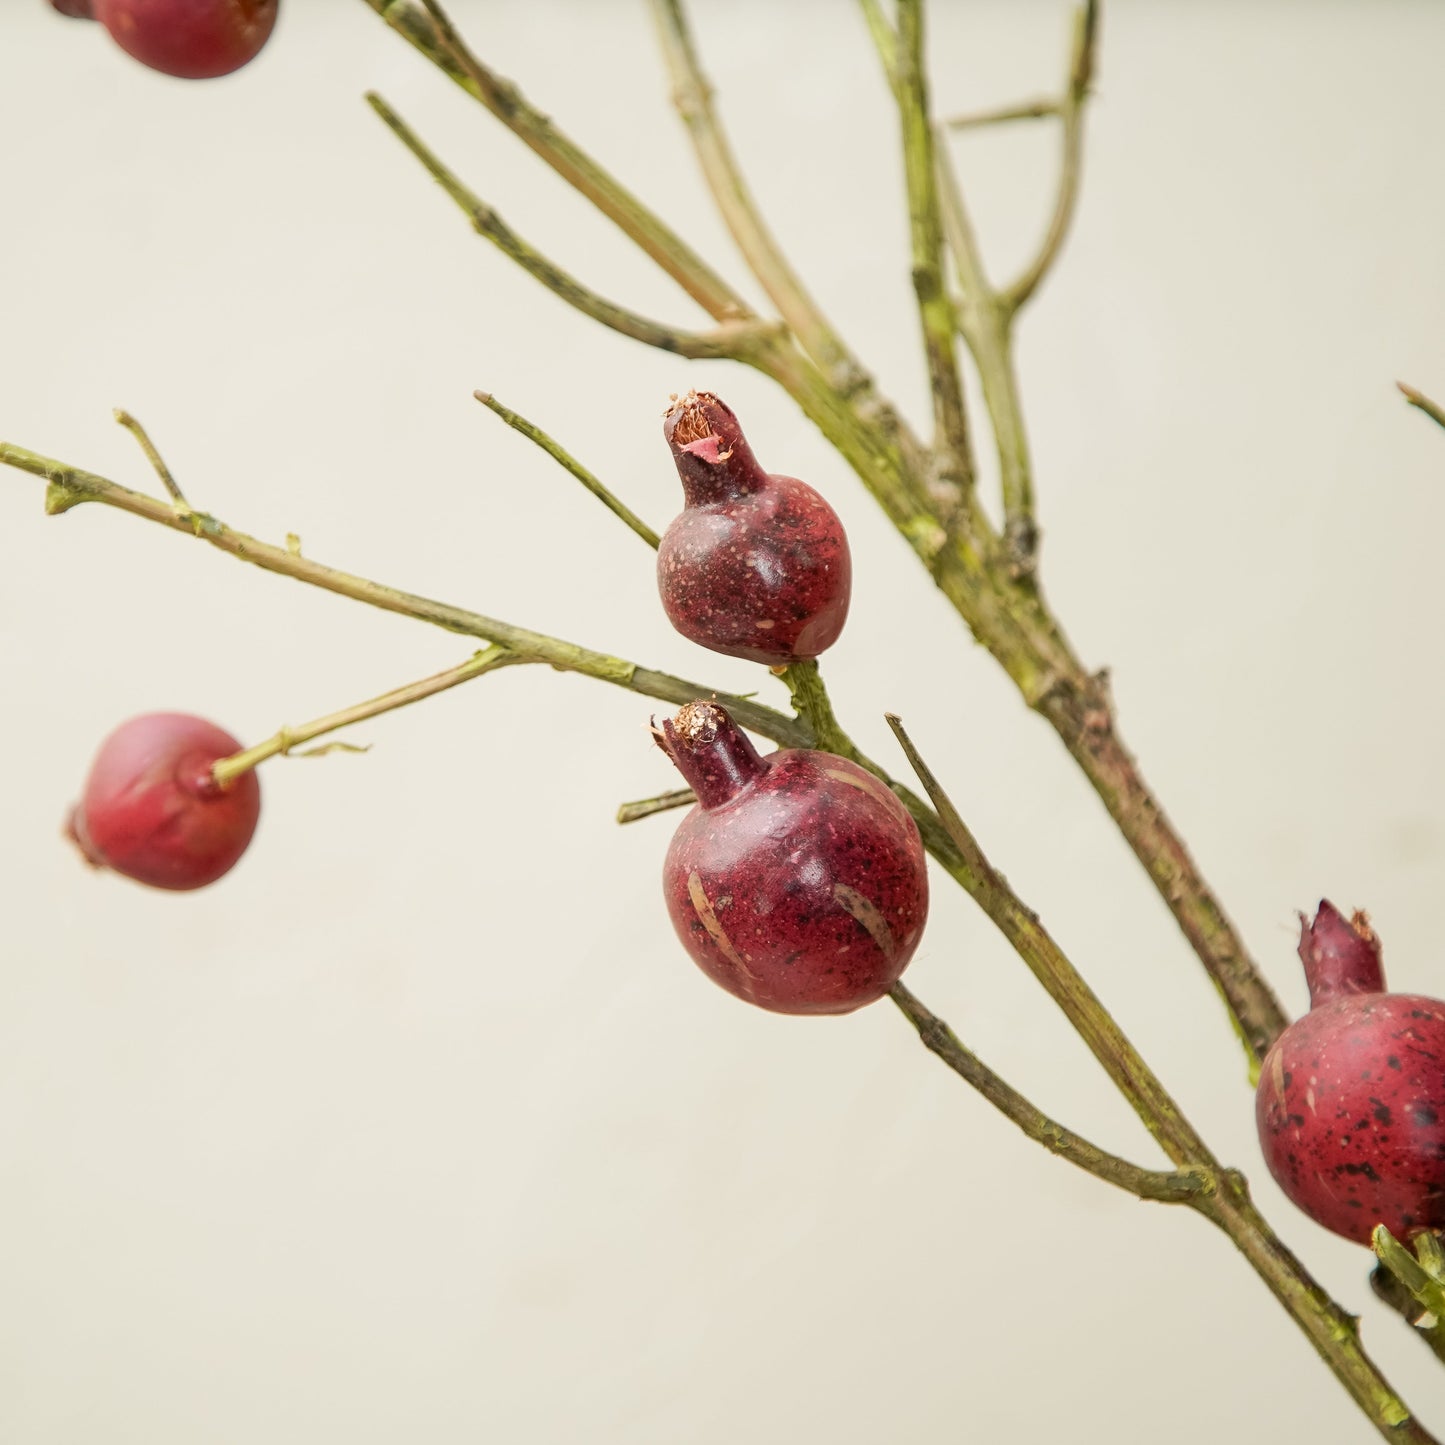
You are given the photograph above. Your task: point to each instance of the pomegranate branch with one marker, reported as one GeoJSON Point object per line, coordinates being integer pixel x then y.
{"type": "Point", "coordinates": [989, 585]}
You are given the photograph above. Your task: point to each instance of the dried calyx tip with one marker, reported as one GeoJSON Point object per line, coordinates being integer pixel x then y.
{"type": "Point", "coordinates": [687, 418]}
{"type": "Point", "coordinates": [697, 722]}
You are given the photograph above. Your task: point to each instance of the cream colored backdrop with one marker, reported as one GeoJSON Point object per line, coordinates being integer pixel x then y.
{"type": "Point", "coordinates": [420, 1127]}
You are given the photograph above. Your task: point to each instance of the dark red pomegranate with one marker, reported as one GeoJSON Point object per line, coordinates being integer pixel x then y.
{"type": "Point", "coordinates": [152, 810]}
{"type": "Point", "coordinates": [194, 39]}
{"type": "Point", "coordinates": [756, 565]}
{"type": "Point", "coordinates": [1351, 1101]}
{"type": "Point", "coordinates": [798, 882]}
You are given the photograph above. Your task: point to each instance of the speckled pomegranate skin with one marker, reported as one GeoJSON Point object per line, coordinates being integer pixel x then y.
{"type": "Point", "coordinates": [192, 39]}
{"type": "Point", "coordinates": [805, 889]}
{"type": "Point", "coordinates": [1351, 1099]}
{"type": "Point", "coordinates": [756, 565]}
{"type": "Point", "coordinates": [151, 810]}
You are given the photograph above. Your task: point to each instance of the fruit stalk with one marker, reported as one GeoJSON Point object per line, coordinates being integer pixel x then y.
{"type": "Point", "coordinates": [226, 770]}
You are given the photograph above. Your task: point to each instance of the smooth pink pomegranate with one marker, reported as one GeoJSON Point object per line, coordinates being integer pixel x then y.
{"type": "Point", "coordinates": [152, 809]}
{"type": "Point", "coordinates": [1351, 1101]}
{"type": "Point", "coordinates": [756, 565]}
{"type": "Point", "coordinates": [194, 39]}
{"type": "Point", "coordinates": [798, 882]}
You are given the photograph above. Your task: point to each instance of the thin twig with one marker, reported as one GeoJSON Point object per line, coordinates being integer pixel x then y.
{"type": "Point", "coordinates": [729, 341]}
{"type": "Point", "coordinates": [1071, 111]}
{"type": "Point", "coordinates": [693, 97]}
{"type": "Point", "coordinates": [559, 454]}
{"type": "Point", "coordinates": [69, 487]}
{"type": "Point", "coordinates": [661, 803]}
{"type": "Point", "coordinates": [935, 311]}
{"type": "Point", "coordinates": [436, 37]}
{"type": "Point", "coordinates": [1041, 109]}
{"type": "Point", "coordinates": [1166, 1186]}
{"type": "Point", "coordinates": [227, 770]}
{"type": "Point", "coordinates": [152, 455]}
{"type": "Point", "coordinates": [1432, 409]}
{"type": "Point", "coordinates": [1425, 1288]}
{"type": "Point", "coordinates": [1048, 963]}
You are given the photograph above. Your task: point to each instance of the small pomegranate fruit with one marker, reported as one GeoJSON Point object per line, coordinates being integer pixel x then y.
{"type": "Point", "coordinates": [756, 566]}
{"type": "Point", "coordinates": [194, 39]}
{"type": "Point", "coordinates": [76, 9]}
{"type": "Point", "coordinates": [152, 810]}
{"type": "Point", "coordinates": [798, 881]}
{"type": "Point", "coordinates": [1351, 1101]}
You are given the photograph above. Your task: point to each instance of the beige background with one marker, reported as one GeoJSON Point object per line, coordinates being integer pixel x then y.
{"type": "Point", "coordinates": [420, 1127]}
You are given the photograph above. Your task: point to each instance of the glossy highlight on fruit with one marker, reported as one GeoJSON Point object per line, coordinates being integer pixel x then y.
{"type": "Point", "coordinates": [152, 811]}
{"type": "Point", "coordinates": [193, 39]}
{"type": "Point", "coordinates": [756, 565]}
{"type": "Point", "coordinates": [798, 882]}
{"type": "Point", "coordinates": [1351, 1099]}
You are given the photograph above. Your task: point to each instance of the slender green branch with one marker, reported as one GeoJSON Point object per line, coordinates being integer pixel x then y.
{"type": "Point", "coordinates": [436, 38]}
{"type": "Point", "coordinates": [729, 341]}
{"type": "Point", "coordinates": [984, 325]}
{"type": "Point", "coordinates": [1432, 409]}
{"type": "Point", "coordinates": [661, 803]}
{"type": "Point", "coordinates": [559, 454]}
{"type": "Point", "coordinates": [951, 437]}
{"type": "Point", "coordinates": [1011, 618]}
{"type": "Point", "coordinates": [693, 97]}
{"type": "Point", "coordinates": [1334, 1333]}
{"type": "Point", "coordinates": [69, 487]}
{"type": "Point", "coordinates": [227, 770]}
{"type": "Point", "coordinates": [152, 456]}
{"type": "Point", "coordinates": [1167, 1187]}
{"type": "Point", "coordinates": [985, 315]}
{"type": "Point", "coordinates": [885, 40]}
{"type": "Point", "coordinates": [1071, 112]}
